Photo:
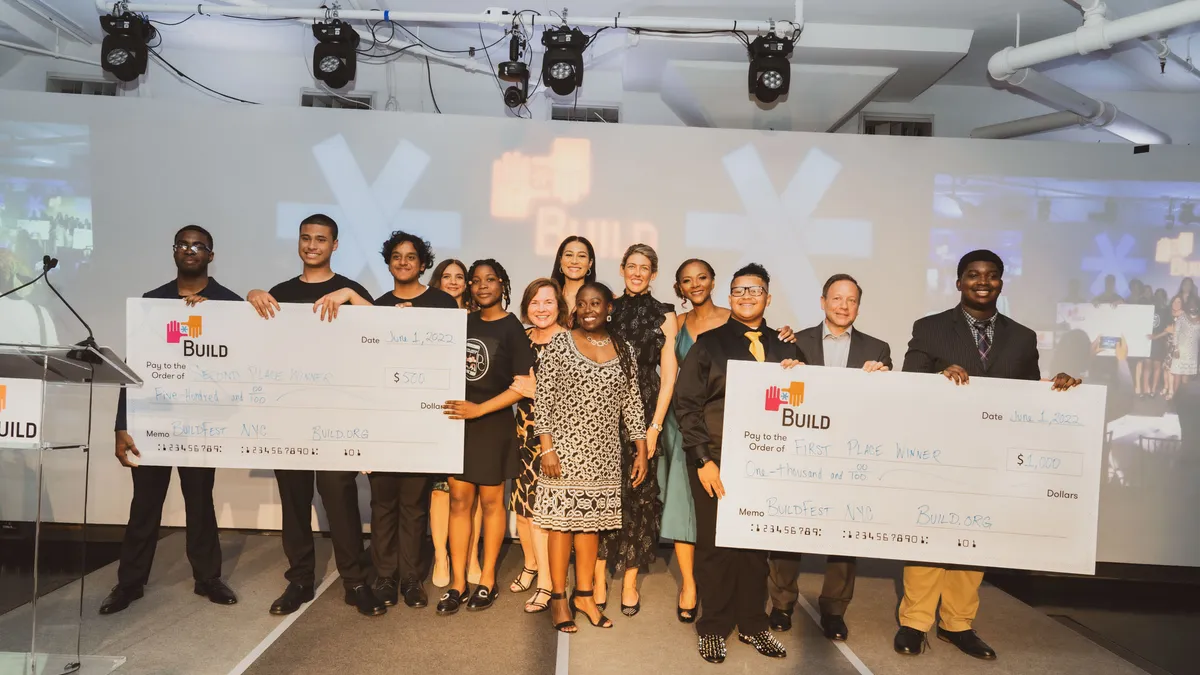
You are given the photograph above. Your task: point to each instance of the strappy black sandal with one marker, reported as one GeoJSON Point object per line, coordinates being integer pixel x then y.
{"type": "Point", "coordinates": [569, 625]}
{"type": "Point", "coordinates": [517, 587]}
{"type": "Point", "coordinates": [603, 622]}
{"type": "Point", "coordinates": [537, 605]}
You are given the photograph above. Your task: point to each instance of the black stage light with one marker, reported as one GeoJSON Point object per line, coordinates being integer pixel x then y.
{"type": "Point", "coordinates": [770, 70]}
{"type": "Point", "coordinates": [562, 65]}
{"type": "Point", "coordinates": [514, 70]}
{"type": "Point", "coordinates": [334, 55]}
{"type": "Point", "coordinates": [123, 52]}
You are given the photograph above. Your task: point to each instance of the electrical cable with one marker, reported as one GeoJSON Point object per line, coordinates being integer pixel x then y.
{"type": "Point", "coordinates": [177, 23]}
{"type": "Point", "coordinates": [429, 76]}
{"type": "Point", "coordinates": [184, 75]}
{"type": "Point", "coordinates": [470, 50]}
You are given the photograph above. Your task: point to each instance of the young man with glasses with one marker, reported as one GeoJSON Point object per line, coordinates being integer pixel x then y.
{"type": "Point", "coordinates": [732, 583]}
{"type": "Point", "coordinates": [193, 253]}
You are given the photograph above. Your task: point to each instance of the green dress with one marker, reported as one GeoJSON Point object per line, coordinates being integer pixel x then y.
{"type": "Point", "coordinates": [679, 515]}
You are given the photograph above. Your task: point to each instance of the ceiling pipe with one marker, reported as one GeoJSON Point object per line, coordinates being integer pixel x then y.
{"type": "Point", "coordinates": [784, 28]}
{"type": "Point", "coordinates": [1098, 114]}
{"type": "Point", "coordinates": [1063, 119]}
{"type": "Point", "coordinates": [1097, 33]}
{"type": "Point", "coordinates": [46, 52]}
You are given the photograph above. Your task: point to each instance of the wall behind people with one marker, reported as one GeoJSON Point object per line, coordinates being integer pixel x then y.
{"type": "Point", "coordinates": [890, 211]}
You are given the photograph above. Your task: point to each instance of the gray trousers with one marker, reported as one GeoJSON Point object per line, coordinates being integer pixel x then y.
{"type": "Point", "coordinates": [835, 594]}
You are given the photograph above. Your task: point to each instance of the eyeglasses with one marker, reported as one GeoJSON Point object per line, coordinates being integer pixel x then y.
{"type": "Point", "coordinates": [194, 248]}
{"type": "Point", "coordinates": [752, 291]}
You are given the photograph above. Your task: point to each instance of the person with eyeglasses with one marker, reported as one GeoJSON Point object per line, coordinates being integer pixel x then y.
{"type": "Point", "coordinates": [731, 582]}
{"type": "Point", "coordinates": [193, 253]}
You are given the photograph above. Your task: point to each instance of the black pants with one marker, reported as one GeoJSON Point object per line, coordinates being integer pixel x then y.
{"type": "Point", "coordinates": [399, 515]}
{"type": "Point", "coordinates": [150, 485]}
{"type": "Point", "coordinates": [339, 494]}
{"type": "Point", "coordinates": [730, 582]}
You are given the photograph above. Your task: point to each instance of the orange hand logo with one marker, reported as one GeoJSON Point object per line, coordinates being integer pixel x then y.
{"type": "Point", "coordinates": [795, 393]}
{"type": "Point", "coordinates": [518, 180]}
{"type": "Point", "coordinates": [776, 397]}
{"type": "Point", "coordinates": [3, 397]}
{"type": "Point", "coordinates": [193, 326]}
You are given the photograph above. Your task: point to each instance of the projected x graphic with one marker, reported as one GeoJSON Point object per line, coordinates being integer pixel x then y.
{"type": "Point", "coordinates": [367, 212]}
{"type": "Point", "coordinates": [1115, 261]}
{"type": "Point", "coordinates": [778, 230]}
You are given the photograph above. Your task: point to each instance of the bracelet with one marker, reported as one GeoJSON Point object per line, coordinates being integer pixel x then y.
{"type": "Point", "coordinates": [549, 451]}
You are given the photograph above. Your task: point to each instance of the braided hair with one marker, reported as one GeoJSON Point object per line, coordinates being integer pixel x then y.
{"type": "Point", "coordinates": [624, 352]}
{"type": "Point", "coordinates": [505, 281]}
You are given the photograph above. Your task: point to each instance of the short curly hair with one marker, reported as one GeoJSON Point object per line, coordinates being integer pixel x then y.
{"type": "Point", "coordinates": [424, 251]}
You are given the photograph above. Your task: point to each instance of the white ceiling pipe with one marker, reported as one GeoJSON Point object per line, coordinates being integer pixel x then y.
{"type": "Point", "coordinates": [47, 52]}
{"type": "Point", "coordinates": [1097, 33]}
{"type": "Point", "coordinates": [1063, 119]}
{"type": "Point", "coordinates": [783, 28]}
{"type": "Point", "coordinates": [1099, 114]}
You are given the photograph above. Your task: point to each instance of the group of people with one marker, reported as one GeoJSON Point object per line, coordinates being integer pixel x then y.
{"type": "Point", "coordinates": [605, 410]}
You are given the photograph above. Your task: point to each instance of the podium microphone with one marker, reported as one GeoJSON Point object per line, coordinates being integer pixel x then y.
{"type": "Point", "coordinates": [83, 353]}
{"type": "Point", "coordinates": [48, 264]}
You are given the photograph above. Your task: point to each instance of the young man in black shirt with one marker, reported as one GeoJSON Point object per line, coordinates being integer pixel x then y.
{"type": "Point", "coordinates": [338, 489]}
{"type": "Point", "coordinates": [732, 582]}
{"type": "Point", "coordinates": [399, 501]}
{"type": "Point", "coordinates": [193, 252]}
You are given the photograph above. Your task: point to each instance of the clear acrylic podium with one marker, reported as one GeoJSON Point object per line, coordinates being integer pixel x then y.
{"type": "Point", "coordinates": [43, 500]}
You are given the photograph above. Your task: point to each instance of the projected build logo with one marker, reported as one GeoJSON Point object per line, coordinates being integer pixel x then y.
{"type": "Point", "coordinates": [792, 396]}
{"type": "Point", "coordinates": [187, 332]}
{"type": "Point", "coordinates": [545, 187]}
{"type": "Point", "coordinates": [15, 428]}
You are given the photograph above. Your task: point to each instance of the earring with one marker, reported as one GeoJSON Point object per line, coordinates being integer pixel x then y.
{"type": "Point", "coordinates": [609, 318]}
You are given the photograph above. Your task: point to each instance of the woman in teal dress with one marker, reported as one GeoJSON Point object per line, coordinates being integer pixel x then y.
{"type": "Point", "coordinates": [694, 283]}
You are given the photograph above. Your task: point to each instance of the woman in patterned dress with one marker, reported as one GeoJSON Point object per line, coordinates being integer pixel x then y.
{"type": "Point", "coordinates": [650, 326]}
{"type": "Point", "coordinates": [544, 308]}
{"type": "Point", "coordinates": [450, 276]}
{"type": "Point", "coordinates": [587, 391]}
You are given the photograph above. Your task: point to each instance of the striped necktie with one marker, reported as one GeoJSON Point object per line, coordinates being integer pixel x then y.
{"type": "Point", "coordinates": [984, 345]}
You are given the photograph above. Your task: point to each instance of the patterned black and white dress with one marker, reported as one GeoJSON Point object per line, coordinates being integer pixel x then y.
{"type": "Point", "coordinates": [581, 404]}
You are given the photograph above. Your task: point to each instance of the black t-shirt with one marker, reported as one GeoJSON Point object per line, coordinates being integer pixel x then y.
{"type": "Point", "coordinates": [295, 290]}
{"type": "Point", "coordinates": [496, 352]}
{"type": "Point", "coordinates": [431, 297]}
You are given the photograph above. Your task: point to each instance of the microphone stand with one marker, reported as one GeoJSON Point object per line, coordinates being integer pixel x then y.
{"type": "Point", "coordinates": [84, 349]}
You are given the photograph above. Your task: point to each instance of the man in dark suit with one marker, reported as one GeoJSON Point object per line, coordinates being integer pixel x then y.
{"type": "Point", "coordinates": [834, 343]}
{"type": "Point", "coordinates": [193, 252]}
{"type": "Point", "coordinates": [731, 582]}
{"type": "Point", "coordinates": [970, 340]}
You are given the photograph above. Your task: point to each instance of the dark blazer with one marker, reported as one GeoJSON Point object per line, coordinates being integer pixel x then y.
{"type": "Point", "coordinates": [943, 340]}
{"type": "Point", "coordinates": [700, 389]}
{"type": "Point", "coordinates": [863, 348]}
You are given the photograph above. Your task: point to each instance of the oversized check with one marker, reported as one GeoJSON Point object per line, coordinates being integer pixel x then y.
{"type": "Point", "coordinates": [1000, 473]}
{"type": "Point", "coordinates": [226, 388]}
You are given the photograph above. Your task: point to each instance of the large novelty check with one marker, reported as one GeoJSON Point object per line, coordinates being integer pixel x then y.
{"type": "Point", "coordinates": [906, 466]}
{"type": "Point", "coordinates": [225, 388]}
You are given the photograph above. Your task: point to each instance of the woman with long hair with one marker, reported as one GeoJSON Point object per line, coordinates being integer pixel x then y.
{"type": "Point", "coordinates": [587, 394]}
{"type": "Point", "coordinates": [497, 351]}
{"type": "Point", "coordinates": [450, 276]}
{"type": "Point", "coordinates": [545, 311]}
{"type": "Point", "coordinates": [574, 265]}
{"type": "Point", "coordinates": [649, 325]}
{"type": "Point", "coordinates": [1186, 360]}
{"type": "Point", "coordinates": [1158, 344]}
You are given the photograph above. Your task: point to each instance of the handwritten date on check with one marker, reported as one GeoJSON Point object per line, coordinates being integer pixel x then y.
{"type": "Point", "coordinates": [907, 466]}
{"type": "Point", "coordinates": [226, 388]}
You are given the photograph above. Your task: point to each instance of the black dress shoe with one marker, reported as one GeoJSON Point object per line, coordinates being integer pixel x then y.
{"type": "Point", "coordinates": [451, 600]}
{"type": "Point", "coordinates": [294, 596]}
{"type": "Point", "coordinates": [414, 594]}
{"type": "Point", "coordinates": [482, 598]}
{"type": "Point", "coordinates": [385, 590]}
{"type": "Point", "coordinates": [365, 601]}
{"type": "Point", "coordinates": [834, 627]}
{"type": "Point", "coordinates": [968, 642]}
{"type": "Point", "coordinates": [712, 648]}
{"type": "Point", "coordinates": [765, 643]}
{"type": "Point", "coordinates": [120, 598]}
{"type": "Point", "coordinates": [909, 641]}
{"type": "Point", "coordinates": [781, 620]}
{"type": "Point", "coordinates": [216, 591]}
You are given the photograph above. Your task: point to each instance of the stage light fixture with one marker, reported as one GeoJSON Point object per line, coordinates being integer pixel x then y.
{"type": "Point", "coordinates": [514, 70]}
{"type": "Point", "coordinates": [123, 51]}
{"type": "Point", "coordinates": [562, 64]}
{"type": "Point", "coordinates": [770, 70]}
{"type": "Point", "coordinates": [334, 56]}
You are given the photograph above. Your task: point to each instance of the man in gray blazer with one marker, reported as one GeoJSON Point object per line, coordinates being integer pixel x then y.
{"type": "Point", "coordinates": [834, 343]}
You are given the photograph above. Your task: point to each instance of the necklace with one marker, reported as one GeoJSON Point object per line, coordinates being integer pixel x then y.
{"type": "Point", "coordinates": [598, 343]}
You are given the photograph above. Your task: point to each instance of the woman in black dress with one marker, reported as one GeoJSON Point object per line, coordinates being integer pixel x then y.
{"type": "Point", "coordinates": [497, 351]}
{"type": "Point", "coordinates": [650, 326]}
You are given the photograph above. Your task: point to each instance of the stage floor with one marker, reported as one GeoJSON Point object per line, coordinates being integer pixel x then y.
{"type": "Point", "coordinates": [172, 631]}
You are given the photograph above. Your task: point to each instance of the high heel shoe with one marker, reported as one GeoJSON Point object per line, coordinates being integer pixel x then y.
{"type": "Point", "coordinates": [562, 626]}
{"type": "Point", "coordinates": [632, 610]}
{"type": "Point", "coordinates": [517, 586]}
{"type": "Point", "coordinates": [603, 622]}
